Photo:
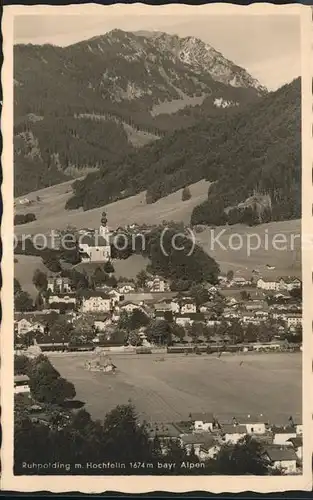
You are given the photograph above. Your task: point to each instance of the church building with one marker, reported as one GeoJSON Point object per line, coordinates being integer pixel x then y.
{"type": "Point", "coordinates": [95, 247]}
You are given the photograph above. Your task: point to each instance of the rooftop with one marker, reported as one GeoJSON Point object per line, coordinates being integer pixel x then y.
{"type": "Point", "coordinates": [203, 417]}
{"type": "Point", "coordinates": [21, 378]}
{"type": "Point", "coordinates": [277, 453]}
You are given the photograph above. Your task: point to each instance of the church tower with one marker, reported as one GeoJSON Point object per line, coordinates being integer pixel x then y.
{"type": "Point", "coordinates": [105, 233]}
{"type": "Point", "coordinates": [103, 230]}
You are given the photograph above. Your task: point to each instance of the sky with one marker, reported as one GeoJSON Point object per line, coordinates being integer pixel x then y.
{"type": "Point", "coordinates": [268, 46]}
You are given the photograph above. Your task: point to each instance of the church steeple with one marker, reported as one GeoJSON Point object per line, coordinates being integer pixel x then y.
{"type": "Point", "coordinates": [103, 230]}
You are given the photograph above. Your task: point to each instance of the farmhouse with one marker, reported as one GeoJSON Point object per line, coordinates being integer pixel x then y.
{"type": "Point", "coordinates": [283, 458]}
{"type": "Point", "coordinates": [93, 301]}
{"type": "Point", "coordinates": [240, 281]}
{"type": "Point", "coordinates": [232, 433]}
{"type": "Point", "coordinates": [202, 421]}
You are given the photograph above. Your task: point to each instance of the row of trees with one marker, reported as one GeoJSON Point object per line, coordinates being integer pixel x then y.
{"type": "Point", "coordinates": [24, 218]}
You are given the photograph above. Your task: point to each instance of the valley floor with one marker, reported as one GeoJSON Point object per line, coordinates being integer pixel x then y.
{"type": "Point", "coordinates": [169, 390]}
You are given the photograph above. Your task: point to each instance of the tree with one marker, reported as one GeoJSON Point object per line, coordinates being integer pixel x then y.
{"type": "Point", "coordinates": [186, 194]}
{"type": "Point", "coordinates": [141, 278]}
{"type": "Point", "coordinates": [245, 295]}
{"type": "Point", "coordinates": [200, 294]}
{"type": "Point", "coordinates": [137, 319]}
{"type": "Point", "coordinates": [124, 437]}
{"type": "Point", "coordinates": [17, 286]}
{"type": "Point", "coordinates": [48, 386]}
{"type": "Point", "coordinates": [23, 302]}
{"type": "Point", "coordinates": [22, 365]}
{"type": "Point", "coordinates": [159, 331]}
{"type": "Point", "coordinates": [39, 302]}
{"type": "Point", "coordinates": [134, 339]}
{"type": "Point", "coordinates": [245, 457]}
{"type": "Point", "coordinates": [230, 275]}
{"type": "Point", "coordinates": [40, 280]}
{"type": "Point", "coordinates": [108, 267]}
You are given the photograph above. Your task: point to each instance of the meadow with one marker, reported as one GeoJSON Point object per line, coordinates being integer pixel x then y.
{"type": "Point", "coordinates": [169, 390]}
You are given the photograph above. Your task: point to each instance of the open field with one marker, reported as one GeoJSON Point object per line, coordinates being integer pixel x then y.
{"type": "Point", "coordinates": [286, 262]}
{"type": "Point", "coordinates": [169, 390]}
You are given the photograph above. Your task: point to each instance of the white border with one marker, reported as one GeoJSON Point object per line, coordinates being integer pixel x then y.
{"type": "Point", "coordinates": [139, 484]}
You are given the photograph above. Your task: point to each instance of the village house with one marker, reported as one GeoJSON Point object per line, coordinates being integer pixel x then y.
{"type": "Point", "coordinates": [255, 424]}
{"type": "Point", "coordinates": [21, 384]}
{"type": "Point", "coordinates": [102, 322]}
{"type": "Point", "coordinates": [24, 326]}
{"type": "Point", "coordinates": [212, 322]}
{"type": "Point", "coordinates": [58, 284]}
{"type": "Point", "coordinates": [64, 298]}
{"type": "Point", "coordinates": [289, 283]}
{"type": "Point", "coordinates": [267, 284]}
{"type": "Point", "coordinates": [283, 458]}
{"type": "Point", "coordinates": [157, 284]}
{"type": "Point", "coordinates": [206, 307]}
{"type": "Point", "coordinates": [116, 297]}
{"type": "Point", "coordinates": [187, 305]}
{"type": "Point", "coordinates": [232, 433]}
{"type": "Point", "coordinates": [240, 281]}
{"type": "Point", "coordinates": [293, 320]}
{"type": "Point", "coordinates": [93, 301]}
{"type": "Point", "coordinates": [129, 306]}
{"type": "Point", "coordinates": [250, 317]}
{"type": "Point", "coordinates": [188, 318]}
{"type": "Point", "coordinates": [254, 305]}
{"type": "Point", "coordinates": [198, 441]}
{"type": "Point", "coordinates": [281, 435]}
{"type": "Point", "coordinates": [126, 287]}
{"type": "Point", "coordinates": [203, 421]}
{"type": "Point", "coordinates": [297, 444]}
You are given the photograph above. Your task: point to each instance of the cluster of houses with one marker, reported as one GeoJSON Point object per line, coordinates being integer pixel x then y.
{"type": "Point", "coordinates": [205, 433]}
{"type": "Point", "coordinates": [158, 302]}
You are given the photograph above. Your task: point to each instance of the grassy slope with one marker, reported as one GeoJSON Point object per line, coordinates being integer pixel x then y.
{"type": "Point", "coordinates": [24, 270]}
{"type": "Point", "coordinates": [51, 214]}
{"type": "Point", "coordinates": [50, 210]}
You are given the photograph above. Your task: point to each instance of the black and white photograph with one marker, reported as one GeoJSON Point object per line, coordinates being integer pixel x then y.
{"type": "Point", "coordinates": [158, 272]}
